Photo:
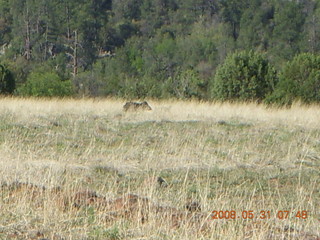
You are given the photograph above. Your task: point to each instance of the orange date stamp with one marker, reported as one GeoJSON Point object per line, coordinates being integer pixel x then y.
{"type": "Point", "coordinates": [264, 214]}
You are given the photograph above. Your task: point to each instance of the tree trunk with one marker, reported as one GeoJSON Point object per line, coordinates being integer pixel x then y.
{"type": "Point", "coordinates": [27, 39]}
{"type": "Point", "coordinates": [75, 54]}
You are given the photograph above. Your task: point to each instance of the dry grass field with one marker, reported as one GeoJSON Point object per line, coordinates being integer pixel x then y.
{"type": "Point", "coordinates": [85, 169]}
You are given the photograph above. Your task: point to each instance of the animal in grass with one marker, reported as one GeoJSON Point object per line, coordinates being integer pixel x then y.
{"type": "Point", "coordinates": [135, 106]}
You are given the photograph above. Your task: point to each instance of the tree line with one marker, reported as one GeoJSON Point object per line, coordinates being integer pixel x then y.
{"type": "Point", "coordinates": [206, 49]}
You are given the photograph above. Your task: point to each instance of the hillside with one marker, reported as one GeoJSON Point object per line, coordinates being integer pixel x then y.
{"type": "Point", "coordinates": [146, 48]}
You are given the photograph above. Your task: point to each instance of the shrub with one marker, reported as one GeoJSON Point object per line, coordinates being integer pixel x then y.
{"type": "Point", "coordinates": [45, 84]}
{"type": "Point", "coordinates": [244, 76]}
{"type": "Point", "coordinates": [299, 80]}
{"type": "Point", "coordinates": [188, 84]}
{"type": "Point", "coordinates": [7, 83]}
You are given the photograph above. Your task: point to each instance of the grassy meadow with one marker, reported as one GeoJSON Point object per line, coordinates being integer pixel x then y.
{"type": "Point", "coordinates": [226, 157]}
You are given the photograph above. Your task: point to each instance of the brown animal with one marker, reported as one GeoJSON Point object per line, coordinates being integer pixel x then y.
{"type": "Point", "coordinates": [153, 181]}
{"type": "Point", "coordinates": [162, 182]}
{"type": "Point", "coordinates": [193, 206]}
{"type": "Point", "coordinates": [134, 106]}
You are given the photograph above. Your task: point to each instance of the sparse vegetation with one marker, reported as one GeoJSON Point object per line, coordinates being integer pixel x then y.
{"type": "Point", "coordinates": [241, 157]}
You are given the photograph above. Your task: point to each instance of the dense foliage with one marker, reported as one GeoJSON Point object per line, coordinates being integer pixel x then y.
{"type": "Point", "coordinates": [244, 76]}
{"type": "Point", "coordinates": [45, 84]}
{"type": "Point", "coordinates": [150, 48]}
{"type": "Point", "coordinates": [299, 80]}
{"type": "Point", "coordinates": [7, 83]}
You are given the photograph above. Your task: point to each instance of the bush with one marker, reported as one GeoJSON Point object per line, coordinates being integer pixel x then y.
{"type": "Point", "coordinates": [7, 83]}
{"type": "Point", "coordinates": [186, 84]}
{"type": "Point", "coordinates": [45, 84]}
{"type": "Point", "coordinates": [299, 80]}
{"type": "Point", "coordinates": [245, 76]}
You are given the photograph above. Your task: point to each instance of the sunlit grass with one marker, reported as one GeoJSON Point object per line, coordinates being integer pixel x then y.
{"type": "Point", "coordinates": [241, 157]}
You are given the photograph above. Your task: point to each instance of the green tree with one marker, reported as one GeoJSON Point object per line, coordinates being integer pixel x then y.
{"type": "Point", "coordinates": [45, 84]}
{"type": "Point", "coordinates": [145, 43]}
{"type": "Point", "coordinates": [7, 82]}
{"type": "Point", "coordinates": [90, 17]}
{"type": "Point", "coordinates": [311, 29]}
{"type": "Point", "coordinates": [231, 12]}
{"type": "Point", "coordinates": [245, 75]}
{"type": "Point", "coordinates": [24, 16]}
{"type": "Point", "coordinates": [256, 26]}
{"type": "Point", "coordinates": [128, 9]}
{"type": "Point", "coordinates": [299, 80]}
{"type": "Point", "coordinates": [188, 84]}
{"type": "Point", "coordinates": [5, 22]}
{"type": "Point", "coordinates": [160, 58]}
{"type": "Point", "coordinates": [198, 46]}
{"type": "Point", "coordinates": [288, 25]}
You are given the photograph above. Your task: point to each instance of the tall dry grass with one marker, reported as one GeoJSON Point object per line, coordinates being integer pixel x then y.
{"type": "Point", "coordinates": [170, 110]}
{"type": "Point", "coordinates": [225, 156]}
